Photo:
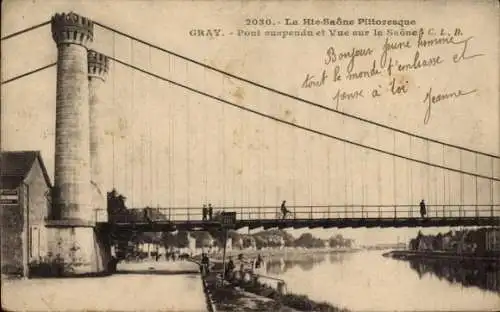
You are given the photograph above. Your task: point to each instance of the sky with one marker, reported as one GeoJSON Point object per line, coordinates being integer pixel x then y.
{"type": "Point", "coordinates": [168, 147]}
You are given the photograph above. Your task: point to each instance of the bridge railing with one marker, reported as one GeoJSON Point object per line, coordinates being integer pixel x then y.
{"type": "Point", "coordinates": [306, 212]}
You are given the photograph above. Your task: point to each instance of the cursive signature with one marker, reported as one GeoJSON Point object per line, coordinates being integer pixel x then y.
{"type": "Point", "coordinates": [431, 99]}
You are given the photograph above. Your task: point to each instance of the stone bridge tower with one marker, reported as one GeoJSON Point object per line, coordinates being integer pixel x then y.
{"type": "Point", "coordinates": [98, 65]}
{"type": "Point", "coordinates": [73, 237]}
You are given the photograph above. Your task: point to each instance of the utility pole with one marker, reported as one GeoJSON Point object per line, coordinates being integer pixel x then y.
{"type": "Point", "coordinates": [224, 256]}
{"type": "Point", "coordinates": [228, 219]}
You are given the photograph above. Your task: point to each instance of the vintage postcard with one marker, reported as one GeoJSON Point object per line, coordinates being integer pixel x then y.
{"type": "Point", "coordinates": [250, 155]}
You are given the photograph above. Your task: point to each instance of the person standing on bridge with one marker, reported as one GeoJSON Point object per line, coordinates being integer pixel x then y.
{"type": "Point", "coordinates": [210, 212]}
{"type": "Point", "coordinates": [146, 215]}
{"type": "Point", "coordinates": [204, 212]}
{"type": "Point", "coordinates": [284, 211]}
{"type": "Point", "coordinates": [423, 211]}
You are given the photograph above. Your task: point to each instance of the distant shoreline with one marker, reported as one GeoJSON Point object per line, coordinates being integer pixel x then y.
{"type": "Point", "coordinates": [285, 251]}
{"type": "Point", "coordinates": [408, 255]}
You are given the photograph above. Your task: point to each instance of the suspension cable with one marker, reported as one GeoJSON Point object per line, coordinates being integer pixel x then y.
{"type": "Point", "coordinates": [205, 148]}
{"type": "Point", "coordinates": [379, 169]}
{"type": "Point", "coordinates": [309, 159]}
{"type": "Point", "coordinates": [299, 126]}
{"type": "Point", "coordinates": [428, 172]}
{"type": "Point", "coordinates": [222, 128]}
{"type": "Point", "coordinates": [133, 114]}
{"type": "Point", "coordinates": [394, 176]}
{"type": "Point", "coordinates": [492, 186]}
{"type": "Point", "coordinates": [351, 174]}
{"type": "Point", "coordinates": [277, 147]}
{"type": "Point", "coordinates": [141, 166]}
{"type": "Point", "coordinates": [461, 186]}
{"type": "Point", "coordinates": [187, 99]}
{"type": "Point", "coordinates": [328, 182]}
{"type": "Point", "coordinates": [344, 144]}
{"type": "Point", "coordinates": [411, 179]}
{"type": "Point", "coordinates": [364, 157]}
{"type": "Point", "coordinates": [152, 186]}
{"type": "Point", "coordinates": [34, 71]}
{"type": "Point", "coordinates": [444, 181]}
{"type": "Point", "coordinates": [422, 179]}
{"type": "Point", "coordinates": [171, 186]}
{"type": "Point", "coordinates": [114, 106]}
{"type": "Point", "coordinates": [242, 171]}
{"type": "Point", "coordinates": [17, 33]}
{"type": "Point", "coordinates": [475, 185]}
{"type": "Point", "coordinates": [289, 95]}
{"type": "Point", "coordinates": [260, 139]}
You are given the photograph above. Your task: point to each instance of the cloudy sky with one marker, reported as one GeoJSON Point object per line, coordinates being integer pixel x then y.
{"type": "Point", "coordinates": [176, 148]}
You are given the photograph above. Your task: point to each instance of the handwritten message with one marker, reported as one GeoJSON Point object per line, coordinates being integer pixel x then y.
{"type": "Point", "coordinates": [347, 65]}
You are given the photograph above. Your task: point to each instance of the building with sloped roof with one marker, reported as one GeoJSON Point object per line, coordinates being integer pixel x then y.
{"type": "Point", "coordinates": [25, 190]}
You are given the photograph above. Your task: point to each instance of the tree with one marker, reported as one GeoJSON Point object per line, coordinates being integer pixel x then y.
{"type": "Point", "coordinates": [307, 240]}
{"type": "Point", "coordinates": [437, 242]}
{"type": "Point", "coordinates": [169, 239]}
{"type": "Point", "coordinates": [183, 239]}
{"type": "Point", "coordinates": [413, 244]}
{"type": "Point", "coordinates": [203, 239]}
{"type": "Point", "coordinates": [339, 241]}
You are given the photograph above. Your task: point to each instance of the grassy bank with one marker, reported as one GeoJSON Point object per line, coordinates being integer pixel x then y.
{"type": "Point", "coordinates": [295, 301]}
{"type": "Point", "coordinates": [278, 302]}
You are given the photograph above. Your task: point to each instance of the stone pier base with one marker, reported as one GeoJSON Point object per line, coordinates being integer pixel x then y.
{"type": "Point", "coordinates": [76, 251]}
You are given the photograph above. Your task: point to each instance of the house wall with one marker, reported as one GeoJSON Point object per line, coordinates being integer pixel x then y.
{"type": "Point", "coordinates": [38, 205]}
{"type": "Point", "coordinates": [12, 236]}
{"type": "Point", "coordinates": [23, 231]}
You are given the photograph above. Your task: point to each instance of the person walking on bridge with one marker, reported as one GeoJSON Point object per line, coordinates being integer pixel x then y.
{"type": "Point", "coordinates": [284, 211]}
{"type": "Point", "coordinates": [147, 218]}
{"type": "Point", "coordinates": [423, 211]}
{"type": "Point", "coordinates": [210, 212]}
{"type": "Point", "coordinates": [204, 212]}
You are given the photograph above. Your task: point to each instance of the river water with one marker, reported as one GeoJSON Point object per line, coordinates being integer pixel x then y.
{"type": "Point", "coordinates": [367, 281]}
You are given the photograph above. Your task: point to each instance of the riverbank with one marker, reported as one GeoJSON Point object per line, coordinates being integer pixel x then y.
{"type": "Point", "coordinates": [249, 294]}
{"type": "Point", "coordinates": [284, 251]}
{"type": "Point", "coordinates": [296, 301]}
{"type": "Point", "coordinates": [253, 296]}
{"type": "Point", "coordinates": [408, 255]}
{"type": "Point", "coordinates": [229, 298]}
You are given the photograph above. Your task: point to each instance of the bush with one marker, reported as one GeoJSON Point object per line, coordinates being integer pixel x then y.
{"type": "Point", "coordinates": [299, 302]}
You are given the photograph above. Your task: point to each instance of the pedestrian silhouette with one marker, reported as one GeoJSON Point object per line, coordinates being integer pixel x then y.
{"type": "Point", "coordinates": [204, 212]}
{"type": "Point", "coordinates": [423, 212]}
{"type": "Point", "coordinates": [146, 215]}
{"type": "Point", "coordinates": [210, 211]}
{"type": "Point", "coordinates": [284, 211]}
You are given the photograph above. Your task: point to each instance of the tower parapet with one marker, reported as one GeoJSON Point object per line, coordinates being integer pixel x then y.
{"type": "Point", "coordinates": [98, 64]}
{"type": "Point", "coordinates": [72, 28]}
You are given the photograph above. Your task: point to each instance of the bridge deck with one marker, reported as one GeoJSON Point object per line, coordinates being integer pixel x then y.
{"type": "Point", "coordinates": [194, 225]}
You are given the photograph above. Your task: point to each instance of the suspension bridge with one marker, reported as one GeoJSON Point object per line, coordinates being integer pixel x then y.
{"type": "Point", "coordinates": [186, 133]}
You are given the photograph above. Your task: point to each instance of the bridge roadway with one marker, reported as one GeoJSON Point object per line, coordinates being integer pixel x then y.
{"type": "Point", "coordinates": [172, 219]}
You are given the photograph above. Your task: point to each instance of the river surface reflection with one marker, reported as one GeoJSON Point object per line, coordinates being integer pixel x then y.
{"type": "Point", "coordinates": [367, 281]}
